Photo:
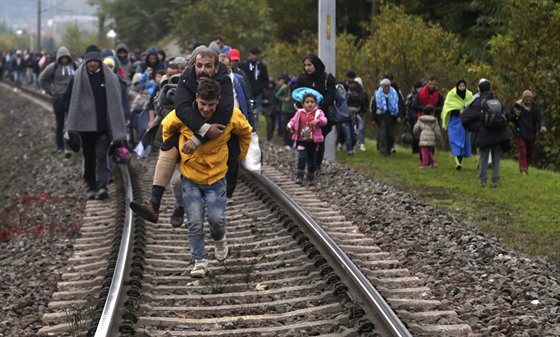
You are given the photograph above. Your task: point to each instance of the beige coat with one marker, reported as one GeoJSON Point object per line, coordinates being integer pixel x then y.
{"type": "Point", "coordinates": [428, 131]}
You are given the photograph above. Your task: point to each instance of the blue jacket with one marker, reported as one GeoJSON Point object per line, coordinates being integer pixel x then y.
{"type": "Point", "coordinates": [243, 97]}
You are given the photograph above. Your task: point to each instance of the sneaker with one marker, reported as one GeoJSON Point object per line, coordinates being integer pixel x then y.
{"type": "Point", "coordinates": [200, 268]}
{"type": "Point", "coordinates": [458, 167]}
{"type": "Point", "coordinates": [147, 211]}
{"type": "Point", "coordinates": [351, 153]}
{"type": "Point", "coordinates": [362, 147]}
{"type": "Point", "coordinates": [221, 249]}
{"type": "Point", "coordinates": [178, 216]}
{"type": "Point", "coordinates": [482, 184]}
{"type": "Point", "coordinates": [101, 194]}
{"type": "Point", "coordinates": [420, 164]}
{"type": "Point", "coordinates": [434, 165]}
{"type": "Point", "coordinates": [67, 153]}
{"type": "Point", "coordinates": [494, 184]}
{"type": "Point", "coordinates": [393, 150]}
{"type": "Point", "coordinates": [90, 194]}
{"type": "Point", "coordinates": [288, 147]}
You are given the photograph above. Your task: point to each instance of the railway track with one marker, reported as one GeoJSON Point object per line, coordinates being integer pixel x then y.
{"type": "Point", "coordinates": [284, 276]}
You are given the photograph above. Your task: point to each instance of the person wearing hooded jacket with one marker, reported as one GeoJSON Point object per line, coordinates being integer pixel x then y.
{"type": "Point", "coordinates": [125, 61]}
{"type": "Point", "coordinates": [487, 139]}
{"type": "Point", "coordinates": [204, 64]}
{"type": "Point", "coordinates": [153, 62]}
{"type": "Point", "coordinates": [95, 100]}
{"type": "Point", "coordinates": [53, 80]}
{"type": "Point", "coordinates": [316, 77]}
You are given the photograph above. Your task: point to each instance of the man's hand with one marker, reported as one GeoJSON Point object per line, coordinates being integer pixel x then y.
{"type": "Point", "coordinates": [189, 147]}
{"type": "Point", "coordinates": [215, 131]}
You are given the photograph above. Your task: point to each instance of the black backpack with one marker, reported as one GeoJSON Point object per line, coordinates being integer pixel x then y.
{"type": "Point", "coordinates": [493, 114]}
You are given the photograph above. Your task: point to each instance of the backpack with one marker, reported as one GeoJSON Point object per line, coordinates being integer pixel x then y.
{"type": "Point", "coordinates": [341, 111]}
{"type": "Point", "coordinates": [494, 116]}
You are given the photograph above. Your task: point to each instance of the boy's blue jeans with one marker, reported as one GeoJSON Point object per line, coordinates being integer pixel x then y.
{"type": "Point", "coordinates": [194, 197]}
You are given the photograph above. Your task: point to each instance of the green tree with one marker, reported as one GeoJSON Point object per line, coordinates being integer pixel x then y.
{"type": "Point", "coordinates": [138, 23]}
{"type": "Point", "coordinates": [295, 19]}
{"type": "Point", "coordinates": [242, 24]}
{"type": "Point", "coordinates": [412, 49]}
{"type": "Point", "coordinates": [526, 57]}
{"type": "Point", "coordinates": [74, 39]}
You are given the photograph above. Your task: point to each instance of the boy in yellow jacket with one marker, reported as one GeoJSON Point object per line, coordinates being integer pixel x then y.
{"type": "Point", "coordinates": [203, 174]}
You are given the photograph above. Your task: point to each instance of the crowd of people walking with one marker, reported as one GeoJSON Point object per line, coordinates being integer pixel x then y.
{"type": "Point", "coordinates": [201, 111]}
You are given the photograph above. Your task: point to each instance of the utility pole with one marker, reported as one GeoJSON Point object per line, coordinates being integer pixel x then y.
{"type": "Point", "coordinates": [327, 54]}
{"type": "Point", "coordinates": [39, 25]}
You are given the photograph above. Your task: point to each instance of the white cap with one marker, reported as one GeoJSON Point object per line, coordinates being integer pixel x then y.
{"type": "Point", "coordinates": [483, 80]}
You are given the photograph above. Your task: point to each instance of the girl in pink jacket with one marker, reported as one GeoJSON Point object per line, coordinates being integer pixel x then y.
{"type": "Point", "coordinates": [305, 128]}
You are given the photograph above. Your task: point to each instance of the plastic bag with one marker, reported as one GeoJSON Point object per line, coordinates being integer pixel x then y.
{"type": "Point", "coordinates": [142, 151]}
{"type": "Point", "coordinates": [253, 161]}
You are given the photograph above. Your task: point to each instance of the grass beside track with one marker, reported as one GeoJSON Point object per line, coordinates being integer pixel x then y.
{"type": "Point", "coordinates": [522, 212]}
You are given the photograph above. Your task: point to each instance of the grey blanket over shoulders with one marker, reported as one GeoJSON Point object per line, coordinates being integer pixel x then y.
{"type": "Point", "coordinates": [81, 113]}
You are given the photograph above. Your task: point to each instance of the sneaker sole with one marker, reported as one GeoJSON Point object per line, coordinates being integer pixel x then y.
{"type": "Point", "coordinates": [141, 211]}
{"type": "Point", "coordinates": [220, 258]}
{"type": "Point", "coordinates": [197, 274]}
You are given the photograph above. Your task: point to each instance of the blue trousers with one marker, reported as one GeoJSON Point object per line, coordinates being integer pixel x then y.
{"type": "Point", "coordinates": [194, 197]}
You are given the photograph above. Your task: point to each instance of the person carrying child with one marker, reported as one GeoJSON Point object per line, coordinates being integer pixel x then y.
{"type": "Point", "coordinates": [305, 128]}
{"type": "Point", "coordinates": [203, 173]}
{"type": "Point", "coordinates": [428, 132]}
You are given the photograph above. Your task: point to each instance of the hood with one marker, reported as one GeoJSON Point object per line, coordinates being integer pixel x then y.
{"type": "Point", "coordinates": [61, 52]}
{"type": "Point", "coordinates": [152, 51]}
{"type": "Point", "coordinates": [428, 119]}
{"type": "Point", "coordinates": [122, 46]}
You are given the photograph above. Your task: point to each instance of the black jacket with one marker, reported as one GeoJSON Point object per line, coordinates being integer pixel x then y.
{"type": "Point", "coordinates": [472, 120]}
{"type": "Point", "coordinates": [185, 96]}
{"type": "Point", "coordinates": [528, 122]}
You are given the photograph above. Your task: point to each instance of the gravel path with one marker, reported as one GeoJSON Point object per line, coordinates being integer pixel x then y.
{"type": "Point", "coordinates": [41, 202]}
{"type": "Point", "coordinates": [496, 290]}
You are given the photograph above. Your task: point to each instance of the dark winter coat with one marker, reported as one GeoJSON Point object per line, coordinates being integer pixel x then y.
{"type": "Point", "coordinates": [528, 122]}
{"type": "Point", "coordinates": [472, 120]}
{"type": "Point", "coordinates": [185, 96]}
{"type": "Point", "coordinates": [324, 83]}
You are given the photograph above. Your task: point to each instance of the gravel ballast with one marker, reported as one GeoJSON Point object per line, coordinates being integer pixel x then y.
{"type": "Point", "coordinates": [496, 290]}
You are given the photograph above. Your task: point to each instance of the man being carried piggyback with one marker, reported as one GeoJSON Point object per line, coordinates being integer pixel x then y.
{"type": "Point", "coordinates": [204, 174]}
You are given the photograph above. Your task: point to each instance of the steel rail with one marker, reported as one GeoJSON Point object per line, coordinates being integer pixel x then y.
{"type": "Point", "coordinates": [374, 304]}
{"type": "Point", "coordinates": [107, 319]}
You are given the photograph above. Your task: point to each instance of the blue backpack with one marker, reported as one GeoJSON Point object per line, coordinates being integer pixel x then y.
{"type": "Point", "coordinates": [341, 111]}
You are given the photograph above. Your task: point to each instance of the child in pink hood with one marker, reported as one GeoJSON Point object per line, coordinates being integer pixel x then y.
{"type": "Point", "coordinates": [305, 128]}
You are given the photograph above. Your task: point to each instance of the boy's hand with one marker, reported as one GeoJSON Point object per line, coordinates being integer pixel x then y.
{"type": "Point", "coordinates": [215, 130]}
{"type": "Point", "coordinates": [189, 147]}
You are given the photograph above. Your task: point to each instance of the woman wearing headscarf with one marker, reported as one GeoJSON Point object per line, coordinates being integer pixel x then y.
{"type": "Point", "coordinates": [459, 138]}
{"type": "Point", "coordinates": [315, 77]}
